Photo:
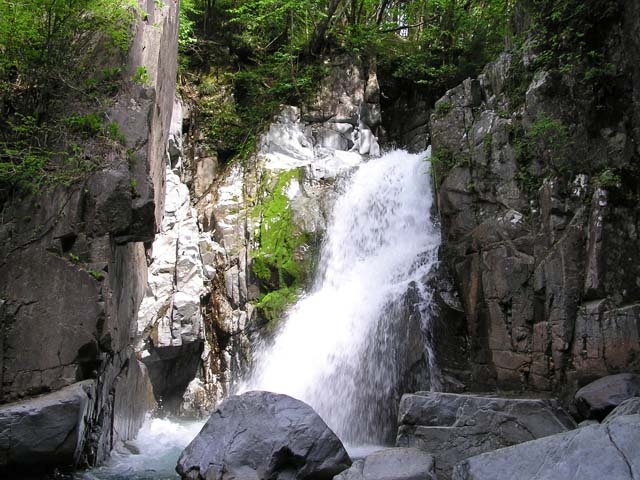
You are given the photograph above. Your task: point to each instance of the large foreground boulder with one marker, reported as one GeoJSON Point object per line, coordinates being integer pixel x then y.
{"type": "Point", "coordinates": [263, 435]}
{"type": "Point", "coordinates": [392, 464]}
{"type": "Point", "coordinates": [453, 427]}
{"type": "Point", "coordinates": [597, 399]}
{"type": "Point", "coordinates": [590, 453]}
{"type": "Point", "coordinates": [46, 431]}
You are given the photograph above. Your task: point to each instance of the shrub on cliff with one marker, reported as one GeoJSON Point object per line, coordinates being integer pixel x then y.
{"type": "Point", "coordinates": [59, 60]}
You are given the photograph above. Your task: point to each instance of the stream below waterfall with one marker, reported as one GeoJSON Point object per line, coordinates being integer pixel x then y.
{"type": "Point", "coordinates": [158, 446]}
{"type": "Point", "coordinates": [343, 347]}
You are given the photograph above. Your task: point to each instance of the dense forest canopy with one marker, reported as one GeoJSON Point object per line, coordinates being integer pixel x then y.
{"type": "Point", "coordinates": [423, 40]}
{"type": "Point", "coordinates": [273, 52]}
{"type": "Point", "coordinates": [61, 60]}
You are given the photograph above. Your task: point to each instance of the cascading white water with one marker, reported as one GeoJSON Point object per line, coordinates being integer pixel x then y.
{"type": "Point", "coordinates": [345, 348]}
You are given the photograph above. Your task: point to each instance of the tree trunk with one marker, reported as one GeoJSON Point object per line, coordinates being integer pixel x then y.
{"type": "Point", "coordinates": [318, 41]}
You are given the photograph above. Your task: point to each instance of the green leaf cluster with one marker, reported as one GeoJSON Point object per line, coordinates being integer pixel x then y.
{"type": "Point", "coordinates": [543, 148]}
{"type": "Point", "coordinates": [446, 42]}
{"type": "Point", "coordinates": [567, 37]}
{"type": "Point", "coordinates": [37, 155]}
{"type": "Point", "coordinates": [57, 58]}
{"type": "Point", "coordinates": [49, 47]}
{"type": "Point", "coordinates": [141, 76]}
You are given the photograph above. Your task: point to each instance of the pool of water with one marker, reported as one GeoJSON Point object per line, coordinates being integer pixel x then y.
{"type": "Point", "coordinates": [159, 444]}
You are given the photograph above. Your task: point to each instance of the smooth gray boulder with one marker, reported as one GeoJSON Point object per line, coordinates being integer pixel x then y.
{"type": "Point", "coordinates": [45, 431]}
{"type": "Point", "coordinates": [598, 398]}
{"type": "Point", "coordinates": [392, 464]}
{"type": "Point", "coordinates": [628, 407]}
{"type": "Point", "coordinates": [453, 427]}
{"type": "Point", "coordinates": [591, 453]}
{"type": "Point", "coordinates": [263, 435]}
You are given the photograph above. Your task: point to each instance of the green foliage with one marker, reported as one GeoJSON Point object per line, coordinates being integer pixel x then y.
{"type": "Point", "coordinates": [30, 161]}
{"type": "Point", "coordinates": [278, 237]}
{"type": "Point", "coordinates": [443, 108]}
{"type": "Point", "coordinates": [528, 180]}
{"type": "Point", "coordinates": [27, 174]}
{"type": "Point", "coordinates": [546, 141]}
{"type": "Point", "coordinates": [52, 62]}
{"type": "Point", "coordinates": [186, 35]}
{"type": "Point", "coordinates": [141, 77]}
{"type": "Point", "coordinates": [22, 161]}
{"type": "Point", "coordinates": [89, 124]}
{"type": "Point", "coordinates": [96, 274]}
{"type": "Point", "coordinates": [271, 46]}
{"type": "Point", "coordinates": [607, 179]}
{"type": "Point", "coordinates": [47, 46]}
{"type": "Point", "coordinates": [114, 133]}
{"type": "Point", "coordinates": [566, 37]}
{"type": "Point", "coordinates": [273, 304]}
{"type": "Point", "coordinates": [487, 144]}
{"type": "Point", "coordinates": [276, 260]}
{"type": "Point", "coordinates": [450, 41]}
{"type": "Point", "coordinates": [518, 81]}
{"type": "Point", "coordinates": [133, 185]}
{"type": "Point", "coordinates": [225, 129]}
{"type": "Point", "coordinates": [543, 149]}
{"type": "Point", "coordinates": [565, 32]}
{"type": "Point", "coordinates": [443, 161]}
{"type": "Point", "coordinates": [234, 107]}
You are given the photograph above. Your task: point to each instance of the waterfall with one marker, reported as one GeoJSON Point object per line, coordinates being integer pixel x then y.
{"type": "Point", "coordinates": [351, 346]}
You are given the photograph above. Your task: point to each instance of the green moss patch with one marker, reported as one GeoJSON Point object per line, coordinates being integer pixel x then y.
{"type": "Point", "coordinates": [277, 260]}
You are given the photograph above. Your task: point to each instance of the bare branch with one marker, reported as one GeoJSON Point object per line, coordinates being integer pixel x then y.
{"type": "Point", "coordinates": [401, 27]}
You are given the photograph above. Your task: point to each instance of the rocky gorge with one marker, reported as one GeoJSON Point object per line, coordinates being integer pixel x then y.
{"type": "Point", "coordinates": [152, 284]}
{"type": "Point", "coordinates": [73, 275]}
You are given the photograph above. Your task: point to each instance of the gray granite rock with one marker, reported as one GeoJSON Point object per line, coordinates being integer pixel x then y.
{"type": "Point", "coordinates": [45, 431]}
{"type": "Point", "coordinates": [392, 464]}
{"type": "Point", "coordinates": [590, 453]}
{"type": "Point", "coordinates": [453, 427]}
{"type": "Point", "coordinates": [73, 273]}
{"type": "Point", "coordinates": [598, 398]}
{"type": "Point", "coordinates": [630, 406]}
{"type": "Point", "coordinates": [263, 435]}
{"type": "Point", "coordinates": [570, 312]}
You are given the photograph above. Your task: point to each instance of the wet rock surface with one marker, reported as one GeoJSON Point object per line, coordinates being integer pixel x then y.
{"type": "Point", "coordinates": [592, 452]}
{"type": "Point", "coordinates": [628, 407]}
{"type": "Point", "coordinates": [453, 427]}
{"type": "Point", "coordinates": [392, 464]}
{"type": "Point", "coordinates": [263, 435]}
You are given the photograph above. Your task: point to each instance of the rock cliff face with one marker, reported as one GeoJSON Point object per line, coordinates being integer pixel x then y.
{"type": "Point", "coordinates": [73, 274]}
{"type": "Point", "coordinates": [199, 317]}
{"type": "Point", "coordinates": [540, 236]}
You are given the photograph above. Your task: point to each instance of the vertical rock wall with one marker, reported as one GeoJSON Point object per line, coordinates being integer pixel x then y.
{"type": "Point", "coordinates": [546, 265]}
{"type": "Point", "coordinates": [72, 276]}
